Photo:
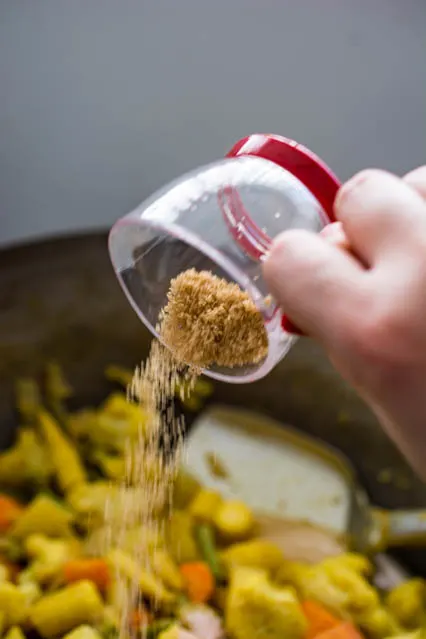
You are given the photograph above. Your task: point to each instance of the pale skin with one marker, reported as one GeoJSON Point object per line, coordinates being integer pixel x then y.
{"type": "Point", "coordinates": [359, 289]}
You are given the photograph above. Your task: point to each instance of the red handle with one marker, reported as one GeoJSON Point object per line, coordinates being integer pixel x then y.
{"type": "Point", "coordinates": [316, 176]}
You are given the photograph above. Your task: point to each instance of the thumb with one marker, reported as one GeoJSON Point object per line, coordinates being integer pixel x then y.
{"type": "Point", "coordinates": [315, 282]}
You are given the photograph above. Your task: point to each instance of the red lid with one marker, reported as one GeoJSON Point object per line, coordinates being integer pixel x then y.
{"type": "Point", "coordinates": [307, 167]}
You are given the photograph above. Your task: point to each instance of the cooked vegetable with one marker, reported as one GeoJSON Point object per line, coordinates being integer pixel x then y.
{"type": "Point", "coordinates": [255, 605]}
{"type": "Point", "coordinates": [342, 631]}
{"type": "Point", "coordinates": [206, 542]}
{"type": "Point", "coordinates": [341, 590]}
{"type": "Point", "coordinates": [9, 570]}
{"type": "Point", "coordinates": [175, 631]}
{"type": "Point", "coordinates": [84, 632]}
{"type": "Point", "coordinates": [66, 609]}
{"type": "Point", "coordinates": [69, 469]}
{"type": "Point", "coordinates": [149, 585]}
{"type": "Point", "coordinates": [204, 505]}
{"type": "Point", "coordinates": [319, 618]}
{"type": "Point", "coordinates": [233, 520]}
{"type": "Point", "coordinates": [10, 511]}
{"type": "Point", "coordinates": [13, 605]}
{"type": "Point", "coordinates": [112, 466]}
{"type": "Point", "coordinates": [26, 463]}
{"type": "Point", "coordinates": [257, 553]}
{"type": "Point", "coordinates": [29, 587]}
{"type": "Point", "coordinates": [165, 568]}
{"type": "Point", "coordinates": [49, 556]}
{"type": "Point", "coordinates": [353, 561]}
{"type": "Point", "coordinates": [199, 581]}
{"type": "Point", "coordinates": [378, 623]}
{"type": "Point", "coordinates": [181, 538]}
{"type": "Point", "coordinates": [140, 619]}
{"type": "Point", "coordinates": [45, 516]}
{"type": "Point", "coordinates": [407, 603]}
{"type": "Point", "coordinates": [15, 633]}
{"type": "Point", "coordinates": [95, 570]}
{"type": "Point", "coordinates": [54, 583]}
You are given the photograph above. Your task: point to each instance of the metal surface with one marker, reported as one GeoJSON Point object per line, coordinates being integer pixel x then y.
{"type": "Point", "coordinates": [60, 299]}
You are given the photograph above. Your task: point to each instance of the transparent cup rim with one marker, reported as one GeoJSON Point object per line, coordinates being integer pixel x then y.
{"type": "Point", "coordinates": [135, 218]}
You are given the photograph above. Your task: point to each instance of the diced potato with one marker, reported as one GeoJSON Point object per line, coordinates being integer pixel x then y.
{"type": "Point", "coordinates": [61, 611]}
{"type": "Point", "coordinates": [353, 561]}
{"type": "Point", "coordinates": [68, 466]}
{"type": "Point", "coordinates": [257, 553]}
{"type": "Point", "coordinates": [15, 633]}
{"type": "Point", "coordinates": [291, 573]}
{"type": "Point", "coordinates": [12, 604]}
{"type": "Point", "coordinates": [45, 516]}
{"type": "Point", "coordinates": [204, 506]}
{"type": "Point", "coordinates": [233, 520]}
{"type": "Point", "coordinates": [378, 623]}
{"type": "Point", "coordinates": [83, 632]}
{"type": "Point", "coordinates": [407, 603]}
{"type": "Point", "coordinates": [256, 608]}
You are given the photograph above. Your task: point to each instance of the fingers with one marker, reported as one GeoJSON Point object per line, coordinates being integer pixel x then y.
{"type": "Point", "coordinates": [335, 234]}
{"type": "Point", "coordinates": [313, 281]}
{"type": "Point", "coordinates": [417, 180]}
{"type": "Point", "coordinates": [370, 206]}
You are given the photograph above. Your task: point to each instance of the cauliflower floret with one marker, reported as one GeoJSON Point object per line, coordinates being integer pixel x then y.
{"type": "Point", "coordinates": [314, 583]}
{"type": "Point", "coordinates": [338, 588]}
{"type": "Point", "coordinates": [256, 607]}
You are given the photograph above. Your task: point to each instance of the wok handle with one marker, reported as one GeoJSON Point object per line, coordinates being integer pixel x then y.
{"type": "Point", "coordinates": [398, 528]}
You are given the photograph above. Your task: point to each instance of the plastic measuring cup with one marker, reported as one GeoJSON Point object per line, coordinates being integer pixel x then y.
{"type": "Point", "coordinates": [222, 218]}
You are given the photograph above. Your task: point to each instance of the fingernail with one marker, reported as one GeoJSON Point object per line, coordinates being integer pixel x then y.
{"type": "Point", "coordinates": [351, 185]}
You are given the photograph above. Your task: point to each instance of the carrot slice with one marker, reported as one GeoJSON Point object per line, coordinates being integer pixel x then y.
{"type": "Point", "coordinates": [319, 618]}
{"type": "Point", "coordinates": [199, 581]}
{"type": "Point", "coordinates": [96, 570]}
{"type": "Point", "coordinates": [10, 510]}
{"type": "Point", "coordinates": [344, 630]}
{"type": "Point", "coordinates": [140, 619]}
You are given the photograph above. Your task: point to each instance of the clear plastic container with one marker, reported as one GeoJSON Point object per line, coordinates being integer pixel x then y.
{"type": "Point", "coordinates": [222, 218]}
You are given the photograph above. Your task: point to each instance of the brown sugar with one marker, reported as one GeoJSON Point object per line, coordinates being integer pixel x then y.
{"type": "Point", "coordinates": [208, 320]}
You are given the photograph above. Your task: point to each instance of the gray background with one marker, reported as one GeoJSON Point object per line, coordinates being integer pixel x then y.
{"type": "Point", "coordinates": [102, 101]}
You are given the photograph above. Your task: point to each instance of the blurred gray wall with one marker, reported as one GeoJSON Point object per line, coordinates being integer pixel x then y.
{"type": "Point", "coordinates": [102, 101]}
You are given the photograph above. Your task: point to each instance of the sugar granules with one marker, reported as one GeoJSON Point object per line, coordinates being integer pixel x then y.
{"type": "Point", "coordinates": [206, 321]}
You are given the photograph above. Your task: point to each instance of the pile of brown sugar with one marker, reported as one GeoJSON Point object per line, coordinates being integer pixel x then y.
{"type": "Point", "coordinates": [208, 320]}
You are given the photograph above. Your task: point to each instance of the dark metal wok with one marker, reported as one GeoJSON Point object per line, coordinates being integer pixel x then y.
{"type": "Point", "coordinates": [60, 299]}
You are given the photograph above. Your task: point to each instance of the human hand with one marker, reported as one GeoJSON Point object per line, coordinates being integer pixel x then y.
{"type": "Point", "coordinates": [360, 290]}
